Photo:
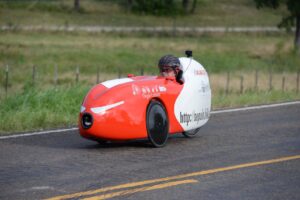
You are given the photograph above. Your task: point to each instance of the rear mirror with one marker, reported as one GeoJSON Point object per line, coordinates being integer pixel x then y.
{"type": "Point", "coordinates": [189, 53]}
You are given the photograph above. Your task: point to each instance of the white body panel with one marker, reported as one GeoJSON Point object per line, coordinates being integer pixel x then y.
{"type": "Point", "coordinates": [115, 82]}
{"type": "Point", "coordinates": [193, 105]}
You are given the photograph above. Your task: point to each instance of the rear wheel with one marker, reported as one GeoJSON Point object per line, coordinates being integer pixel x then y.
{"type": "Point", "coordinates": [157, 124]}
{"type": "Point", "coordinates": [191, 133]}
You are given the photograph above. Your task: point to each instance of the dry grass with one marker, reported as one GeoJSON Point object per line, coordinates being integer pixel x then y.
{"type": "Point", "coordinates": [219, 81]}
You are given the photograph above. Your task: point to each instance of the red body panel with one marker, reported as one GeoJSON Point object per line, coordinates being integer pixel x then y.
{"type": "Point", "coordinates": [127, 120]}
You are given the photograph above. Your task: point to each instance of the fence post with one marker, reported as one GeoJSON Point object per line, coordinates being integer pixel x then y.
{"type": "Point", "coordinates": [98, 74]}
{"type": "Point", "coordinates": [270, 79]}
{"type": "Point", "coordinates": [283, 84]}
{"type": "Point", "coordinates": [6, 80]}
{"type": "Point", "coordinates": [227, 83]}
{"type": "Point", "coordinates": [33, 75]}
{"type": "Point", "coordinates": [298, 82]}
{"type": "Point", "coordinates": [55, 75]}
{"type": "Point", "coordinates": [242, 84]}
{"type": "Point", "coordinates": [256, 80]}
{"type": "Point", "coordinates": [142, 71]}
{"type": "Point", "coordinates": [77, 74]}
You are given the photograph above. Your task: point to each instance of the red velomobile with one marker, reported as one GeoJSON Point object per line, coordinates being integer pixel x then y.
{"type": "Point", "coordinates": [147, 106]}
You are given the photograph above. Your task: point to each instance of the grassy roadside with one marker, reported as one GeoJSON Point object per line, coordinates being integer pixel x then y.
{"type": "Point", "coordinates": [250, 98]}
{"type": "Point", "coordinates": [59, 107]}
{"type": "Point", "coordinates": [41, 109]}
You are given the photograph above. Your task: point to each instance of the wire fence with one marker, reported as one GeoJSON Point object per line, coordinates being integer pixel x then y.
{"type": "Point", "coordinates": [240, 82]}
{"type": "Point", "coordinates": [227, 83]}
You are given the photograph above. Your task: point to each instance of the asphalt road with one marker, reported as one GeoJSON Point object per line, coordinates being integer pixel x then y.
{"type": "Point", "coordinates": [252, 154]}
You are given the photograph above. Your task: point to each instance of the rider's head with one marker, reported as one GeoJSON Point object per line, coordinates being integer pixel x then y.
{"type": "Point", "coordinates": [169, 65]}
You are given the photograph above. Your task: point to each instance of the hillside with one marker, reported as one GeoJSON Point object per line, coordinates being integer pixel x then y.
{"type": "Point", "coordinates": [104, 12]}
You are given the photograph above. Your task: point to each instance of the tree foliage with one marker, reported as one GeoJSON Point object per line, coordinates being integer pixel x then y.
{"type": "Point", "coordinates": [161, 7]}
{"type": "Point", "coordinates": [292, 19]}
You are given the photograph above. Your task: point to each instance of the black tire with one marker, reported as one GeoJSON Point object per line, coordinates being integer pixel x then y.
{"type": "Point", "coordinates": [157, 124]}
{"type": "Point", "coordinates": [191, 133]}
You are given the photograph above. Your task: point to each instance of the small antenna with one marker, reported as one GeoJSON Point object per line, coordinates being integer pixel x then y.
{"type": "Point", "coordinates": [189, 53]}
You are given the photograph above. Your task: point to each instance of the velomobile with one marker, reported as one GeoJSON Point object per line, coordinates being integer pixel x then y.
{"type": "Point", "coordinates": [150, 107]}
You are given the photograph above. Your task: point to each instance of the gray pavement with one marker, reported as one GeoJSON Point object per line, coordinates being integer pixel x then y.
{"type": "Point", "coordinates": [44, 166]}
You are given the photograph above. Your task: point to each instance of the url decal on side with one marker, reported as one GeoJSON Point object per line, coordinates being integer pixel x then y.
{"type": "Point", "coordinates": [194, 116]}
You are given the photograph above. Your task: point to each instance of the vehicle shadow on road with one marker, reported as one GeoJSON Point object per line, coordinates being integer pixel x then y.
{"type": "Point", "coordinates": [75, 141]}
{"type": "Point", "coordinates": [139, 143]}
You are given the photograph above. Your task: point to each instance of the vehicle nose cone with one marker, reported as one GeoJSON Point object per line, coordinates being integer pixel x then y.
{"type": "Point", "coordinates": [86, 121]}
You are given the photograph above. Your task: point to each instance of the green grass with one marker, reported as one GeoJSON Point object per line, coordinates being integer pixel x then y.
{"type": "Point", "coordinates": [250, 98]}
{"type": "Point", "coordinates": [217, 53]}
{"type": "Point", "coordinates": [208, 13]}
{"type": "Point", "coordinates": [41, 109]}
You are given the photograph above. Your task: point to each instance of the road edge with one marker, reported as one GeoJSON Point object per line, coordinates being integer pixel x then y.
{"type": "Point", "coordinates": [65, 130]}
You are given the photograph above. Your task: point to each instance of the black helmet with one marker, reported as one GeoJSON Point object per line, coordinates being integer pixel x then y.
{"type": "Point", "coordinates": [168, 61]}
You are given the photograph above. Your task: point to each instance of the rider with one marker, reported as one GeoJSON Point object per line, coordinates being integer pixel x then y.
{"type": "Point", "coordinates": [169, 66]}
